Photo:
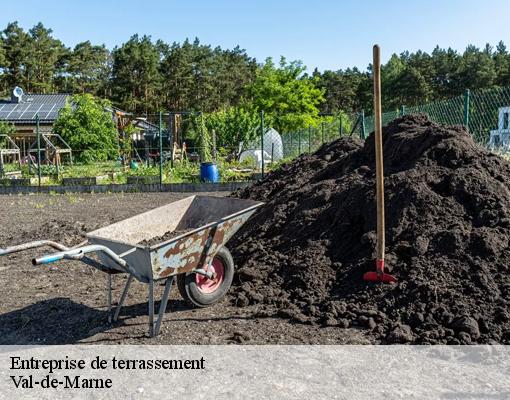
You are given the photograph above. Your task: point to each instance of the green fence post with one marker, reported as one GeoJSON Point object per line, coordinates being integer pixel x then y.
{"type": "Point", "coordinates": [467, 94]}
{"type": "Point", "coordinates": [170, 128]}
{"type": "Point", "coordinates": [160, 150]}
{"type": "Point", "coordinates": [262, 140]}
{"type": "Point", "coordinates": [402, 110]}
{"type": "Point", "coordinates": [204, 142]}
{"type": "Point", "coordinates": [341, 129]}
{"type": "Point", "coordinates": [299, 142]}
{"type": "Point", "coordinates": [38, 134]}
{"type": "Point", "coordinates": [362, 117]}
{"type": "Point", "coordinates": [291, 146]}
{"type": "Point", "coordinates": [309, 138]}
{"type": "Point", "coordinates": [322, 131]}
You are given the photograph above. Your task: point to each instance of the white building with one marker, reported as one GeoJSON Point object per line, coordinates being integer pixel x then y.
{"type": "Point", "coordinates": [500, 138]}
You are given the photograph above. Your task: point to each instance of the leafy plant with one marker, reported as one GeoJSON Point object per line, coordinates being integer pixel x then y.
{"type": "Point", "coordinates": [199, 133]}
{"type": "Point", "coordinates": [286, 95]}
{"type": "Point", "coordinates": [6, 128]}
{"type": "Point", "coordinates": [143, 171]}
{"type": "Point", "coordinates": [233, 126]}
{"type": "Point", "coordinates": [183, 172]}
{"type": "Point", "coordinates": [88, 128]}
{"type": "Point", "coordinates": [126, 141]}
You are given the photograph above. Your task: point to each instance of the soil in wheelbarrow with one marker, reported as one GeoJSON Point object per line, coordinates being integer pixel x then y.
{"type": "Point", "coordinates": [447, 231]}
{"type": "Point", "coordinates": [163, 238]}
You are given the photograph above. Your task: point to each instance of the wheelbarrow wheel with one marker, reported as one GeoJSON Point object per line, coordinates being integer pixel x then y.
{"type": "Point", "coordinates": [199, 291]}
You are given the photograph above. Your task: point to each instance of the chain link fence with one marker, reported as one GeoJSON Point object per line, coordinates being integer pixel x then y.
{"type": "Point", "coordinates": [308, 140]}
{"type": "Point", "coordinates": [480, 111]}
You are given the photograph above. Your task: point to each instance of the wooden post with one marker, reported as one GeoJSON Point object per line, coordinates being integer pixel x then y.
{"type": "Point", "coordinates": [38, 134]}
{"type": "Point", "coordinates": [379, 173]}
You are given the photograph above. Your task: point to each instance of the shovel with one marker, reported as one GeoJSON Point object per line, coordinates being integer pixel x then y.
{"type": "Point", "coordinates": [378, 275]}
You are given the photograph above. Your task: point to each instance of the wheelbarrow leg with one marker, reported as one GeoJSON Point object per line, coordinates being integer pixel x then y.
{"type": "Point", "coordinates": [122, 298]}
{"type": "Point", "coordinates": [162, 305]}
{"type": "Point", "coordinates": [151, 308]}
{"type": "Point", "coordinates": [109, 285]}
{"type": "Point", "coordinates": [154, 327]}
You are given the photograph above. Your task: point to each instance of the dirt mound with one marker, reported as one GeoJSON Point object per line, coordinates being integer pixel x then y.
{"type": "Point", "coordinates": [447, 232]}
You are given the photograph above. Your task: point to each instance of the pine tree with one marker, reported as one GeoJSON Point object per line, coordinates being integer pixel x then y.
{"type": "Point", "coordinates": [88, 69]}
{"type": "Point", "coordinates": [44, 55]}
{"type": "Point", "coordinates": [16, 44]}
{"type": "Point", "coordinates": [136, 77]}
{"type": "Point", "coordinates": [476, 70]}
{"type": "Point", "coordinates": [502, 65]}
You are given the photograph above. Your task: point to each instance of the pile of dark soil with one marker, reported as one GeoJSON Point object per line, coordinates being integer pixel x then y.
{"type": "Point", "coordinates": [447, 233]}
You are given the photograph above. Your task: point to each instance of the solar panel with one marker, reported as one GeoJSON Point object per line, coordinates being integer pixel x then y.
{"type": "Point", "coordinates": [12, 110]}
{"type": "Point", "coordinates": [47, 107]}
{"type": "Point", "coordinates": [25, 112]}
{"type": "Point", "coordinates": [36, 109]}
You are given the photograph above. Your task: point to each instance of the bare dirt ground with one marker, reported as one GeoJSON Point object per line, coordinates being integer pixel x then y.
{"type": "Point", "coordinates": [65, 302]}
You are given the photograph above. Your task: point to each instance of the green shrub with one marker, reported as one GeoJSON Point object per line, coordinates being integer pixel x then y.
{"type": "Point", "coordinates": [88, 128]}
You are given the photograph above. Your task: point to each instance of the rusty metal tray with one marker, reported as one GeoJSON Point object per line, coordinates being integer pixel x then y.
{"type": "Point", "coordinates": [209, 223]}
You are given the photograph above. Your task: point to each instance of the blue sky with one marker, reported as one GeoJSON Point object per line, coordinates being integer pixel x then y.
{"type": "Point", "coordinates": [324, 34]}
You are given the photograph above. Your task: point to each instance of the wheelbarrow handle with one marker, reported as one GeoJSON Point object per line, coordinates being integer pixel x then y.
{"type": "Point", "coordinates": [79, 252]}
{"type": "Point", "coordinates": [32, 245]}
{"type": "Point", "coordinates": [47, 259]}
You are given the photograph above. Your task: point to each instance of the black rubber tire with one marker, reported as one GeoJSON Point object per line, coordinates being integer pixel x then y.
{"type": "Point", "coordinates": [193, 296]}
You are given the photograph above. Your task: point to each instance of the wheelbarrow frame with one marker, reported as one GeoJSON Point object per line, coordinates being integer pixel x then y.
{"type": "Point", "coordinates": [186, 253]}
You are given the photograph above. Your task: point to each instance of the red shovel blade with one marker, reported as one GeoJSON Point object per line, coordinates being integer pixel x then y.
{"type": "Point", "coordinates": [379, 275]}
{"type": "Point", "coordinates": [375, 277]}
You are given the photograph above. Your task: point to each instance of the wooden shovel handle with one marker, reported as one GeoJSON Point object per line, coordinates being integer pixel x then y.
{"type": "Point", "coordinates": [379, 173]}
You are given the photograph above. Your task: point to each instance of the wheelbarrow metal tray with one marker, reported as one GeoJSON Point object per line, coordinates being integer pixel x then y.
{"type": "Point", "coordinates": [209, 223]}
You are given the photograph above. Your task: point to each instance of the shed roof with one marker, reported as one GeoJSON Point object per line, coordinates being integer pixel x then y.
{"type": "Point", "coordinates": [46, 106]}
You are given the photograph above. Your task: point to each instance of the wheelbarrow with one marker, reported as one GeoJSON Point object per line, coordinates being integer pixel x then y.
{"type": "Point", "coordinates": [197, 258]}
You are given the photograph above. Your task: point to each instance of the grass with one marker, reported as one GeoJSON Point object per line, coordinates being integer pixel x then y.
{"type": "Point", "coordinates": [72, 198]}
{"type": "Point", "coordinates": [88, 170]}
{"type": "Point", "coordinates": [11, 167]}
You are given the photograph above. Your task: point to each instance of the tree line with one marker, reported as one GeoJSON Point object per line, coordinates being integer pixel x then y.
{"type": "Point", "coordinates": [141, 75]}
{"type": "Point", "coordinates": [417, 78]}
{"type": "Point", "coordinates": [144, 76]}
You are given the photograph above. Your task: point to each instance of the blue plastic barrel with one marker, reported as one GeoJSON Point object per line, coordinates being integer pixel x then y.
{"type": "Point", "coordinates": [209, 172]}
